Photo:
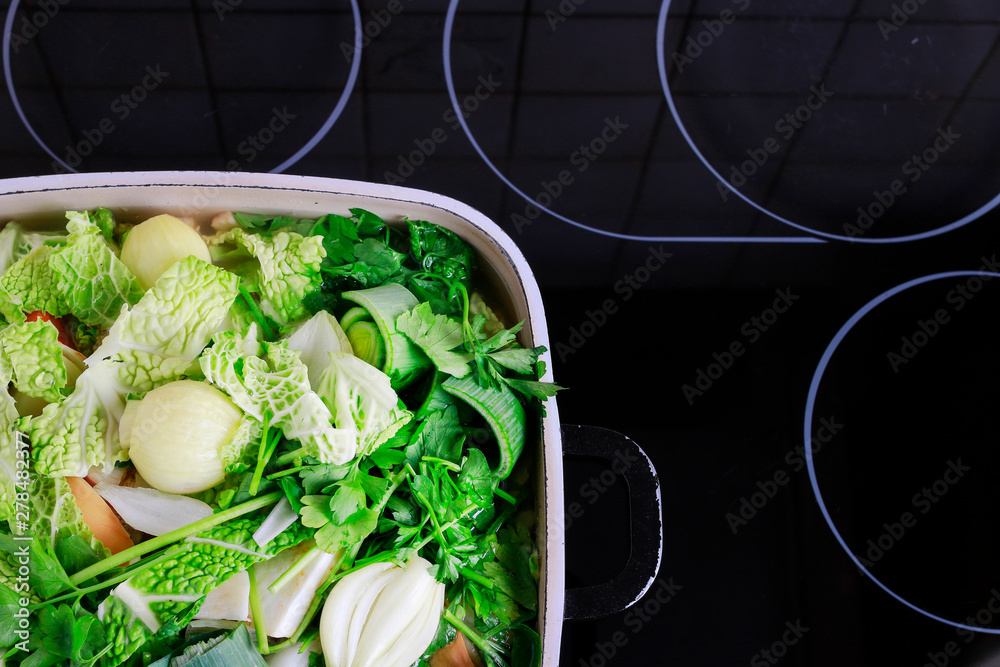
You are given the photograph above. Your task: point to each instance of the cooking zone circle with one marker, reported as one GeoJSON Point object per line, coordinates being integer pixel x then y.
{"type": "Point", "coordinates": [152, 77]}
{"type": "Point", "coordinates": [606, 137]}
{"type": "Point", "coordinates": [969, 283]}
{"type": "Point", "coordinates": [702, 37]}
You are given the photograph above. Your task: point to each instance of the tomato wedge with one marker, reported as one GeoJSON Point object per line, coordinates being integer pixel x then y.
{"type": "Point", "coordinates": [57, 322]}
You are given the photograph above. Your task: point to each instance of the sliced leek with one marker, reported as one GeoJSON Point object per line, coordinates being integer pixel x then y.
{"type": "Point", "coordinates": [367, 343]}
{"type": "Point", "coordinates": [222, 650]}
{"type": "Point", "coordinates": [353, 316]}
{"type": "Point", "coordinates": [278, 520]}
{"type": "Point", "coordinates": [501, 410]}
{"type": "Point", "coordinates": [404, 361]}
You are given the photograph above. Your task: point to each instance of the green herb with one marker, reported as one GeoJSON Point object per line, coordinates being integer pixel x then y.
{"type": "Point", "coordinates": [339, 236]}
{"type": "Point", "coordinates": [265, 452]}
{"type": "Point", "coordinates": [257, 613]}
{"type": "Point", "coordinates": [358, 252]}
{"type": "Point", "coordinates": [513, 569]}
{"type": "Point", "coordinates": [259, 222]}
{"type": "Point", "coordinates": [69, 633]}
{"type": "Point", "coordinates": [526, 646]}
{"type": "Point", "coordinates": [438, 336]}
{"type": "Point", "coordinates": [85, 337]}
{"type": "Point", "coordinates": [343, 516]}
{"type": "Point", "coordinates": [441, 252]}
{"type": "Point", "coordinates": [368, 223]}
{"type": "Point", "coordinates": [10, 606]}
{"type": "Point", "coordinates": [440, 435]}
{"type": "Point", "coordinates": [258, 317]}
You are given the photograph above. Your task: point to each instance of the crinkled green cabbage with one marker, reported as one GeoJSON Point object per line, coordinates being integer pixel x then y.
{"type": "Point", "coordinates": [361, 398]}
{"type": "Point", "coordinates": [276, 386]}
{"type": "Point", "coordinates": [164, 598]}
{"type": "Point", "coordinates": [81, 430]}
{"type": "Point", "coordinates": [289, 269]}
{"type": "Point", "coordinates": [15, 243]}
{"type": "Point", "coordinates": [36, 358]}
{"type": "Point", "coordinates": [32, 284]}
{"type": "Point", "coordinates": [94, 283]}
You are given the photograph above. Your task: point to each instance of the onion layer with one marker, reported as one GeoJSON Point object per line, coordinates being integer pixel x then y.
{"type": "Point", "coordinates": [153, 512]}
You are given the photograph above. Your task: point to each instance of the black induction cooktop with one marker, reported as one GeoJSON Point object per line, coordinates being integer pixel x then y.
{"type": "Point", "coordinates": [764, 231]}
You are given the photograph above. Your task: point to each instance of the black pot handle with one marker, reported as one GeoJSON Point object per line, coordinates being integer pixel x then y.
{"type": "Point", "coordinates": [628, 460]}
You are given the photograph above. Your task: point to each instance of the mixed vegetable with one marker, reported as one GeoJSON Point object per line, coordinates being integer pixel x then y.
{"type": "Point", "coordinates": [268, 441]}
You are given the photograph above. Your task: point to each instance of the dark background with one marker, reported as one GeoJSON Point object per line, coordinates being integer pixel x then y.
{"type": "Point", "coordinates": [893, 78]}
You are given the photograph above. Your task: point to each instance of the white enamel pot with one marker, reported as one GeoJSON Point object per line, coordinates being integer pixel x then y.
{"type": "Point", "coordinates": [203, 194]}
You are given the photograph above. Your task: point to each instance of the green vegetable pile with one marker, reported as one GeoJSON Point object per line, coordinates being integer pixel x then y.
{"type": "Point", "coordinates": [334, 391]}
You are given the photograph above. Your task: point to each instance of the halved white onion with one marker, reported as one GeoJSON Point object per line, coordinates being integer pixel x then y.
{"type": "Point", "coordinates": [381, 615]}
{"type": "Point", "coordinates": [177, 434]}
